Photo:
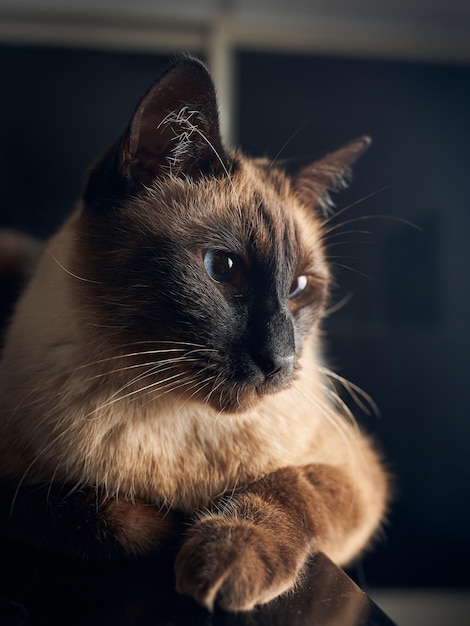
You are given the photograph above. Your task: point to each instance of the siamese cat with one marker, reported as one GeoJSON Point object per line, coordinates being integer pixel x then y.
{"type": "Point", "coordinates": [161, 378]}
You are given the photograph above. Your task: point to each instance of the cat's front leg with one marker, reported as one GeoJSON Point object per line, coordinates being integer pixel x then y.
{"type": "Point", "coordinates": [254, 548]}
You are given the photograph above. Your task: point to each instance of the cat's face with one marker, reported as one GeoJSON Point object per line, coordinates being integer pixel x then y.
{"type": "Point", "coordinates": [210, 261]}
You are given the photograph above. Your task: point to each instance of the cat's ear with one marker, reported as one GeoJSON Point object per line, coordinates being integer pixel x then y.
{"type": "Point", "coordinates": [314, 181]}
{"type": "Point", "coordinates": [175, 128]}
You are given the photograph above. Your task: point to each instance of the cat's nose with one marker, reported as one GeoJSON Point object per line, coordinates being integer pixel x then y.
{"type": "Point", "coordinates": [272, 364]}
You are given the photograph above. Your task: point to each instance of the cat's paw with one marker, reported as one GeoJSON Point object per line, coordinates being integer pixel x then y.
{"type": "Point", "coordinates": [234, 564]}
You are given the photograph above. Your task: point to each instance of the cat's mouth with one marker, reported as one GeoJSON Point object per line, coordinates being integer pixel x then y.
{"type": "Point", "coordinates": [239, 397]}
{"type": "Point", "coordinates": [227, 386]}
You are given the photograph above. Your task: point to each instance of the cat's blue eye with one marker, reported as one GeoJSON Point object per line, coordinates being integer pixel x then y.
{"type": "Point", "coordinates": [297, 287]}
{"type": "Point", "coordinates": [221, 266]}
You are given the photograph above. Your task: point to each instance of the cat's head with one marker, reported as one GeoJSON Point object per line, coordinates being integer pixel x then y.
{"type": "Point", "coordinates": [211, 262]}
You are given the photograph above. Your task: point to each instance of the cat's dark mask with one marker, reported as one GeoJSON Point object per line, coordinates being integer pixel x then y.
{"type": "Point", "coordinates": [195, 248]}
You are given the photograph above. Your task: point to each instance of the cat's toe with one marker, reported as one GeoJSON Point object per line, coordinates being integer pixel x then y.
{"type": "Point", "coordinates": [213, 567]}
{"type": "Point", "coordinates": [229, 564]}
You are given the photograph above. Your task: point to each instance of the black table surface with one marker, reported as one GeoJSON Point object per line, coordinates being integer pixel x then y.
{"type": "Point", "coordinates": [141, 594]}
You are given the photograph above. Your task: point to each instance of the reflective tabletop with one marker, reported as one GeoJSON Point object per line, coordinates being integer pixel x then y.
{"type": "Point", "coordinates": [142, 595]}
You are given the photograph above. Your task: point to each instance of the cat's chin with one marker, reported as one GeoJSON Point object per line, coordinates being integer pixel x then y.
{"type": "Point", "coordinates": [243, 399]}
{"type": "Point", "coordinates": [236, 406]}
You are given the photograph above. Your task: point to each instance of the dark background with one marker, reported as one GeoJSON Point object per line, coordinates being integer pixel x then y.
{"type": "Point", "coordinates": [403, 332]}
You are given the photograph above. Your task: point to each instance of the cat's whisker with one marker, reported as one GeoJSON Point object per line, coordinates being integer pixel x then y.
{"type": "Point", "coordinates": [152, 371]}
{"type": "Point", "coordinates": [75, 487]}
{"type": "Point", "coordinates": [362, 218]}
{"type": "Point", "coordinates": [239, 388]}
{"type": "Point", "coordinates": [334, 308]}
{"type": "Point", "coordinates": [345, 256]}
{"type": "Point", "coordinates": [341, 404]}
{"type": "Point", "coordinates": [115, 397]}
{"type": "Point", "coordinates": [74, 371]}
{"type": "Point", "coordinates": [124, 356]}
{"type": "Point", "coordinates": [170, 384]}
{"type": "Point", "coordinates": [154, 365]}
{"type": "Point", "coordinates": [350, 242]}
{"type": "Point", "coordinates": [354, 391]}
{"type": "Point", "coordinates": [158, 367]}
{"type": "Point", "coordinates": [183, 358]}
{"type": "Point", "coordinates": [217, 384]}
{"type": "Point", "coordinates": [109, 403]}
{"type": "Point", "coordinates": [51, 482]}
{"type": "Point", "coordinates": [165, 342]}
{"type": "Point", "coordinates": [286, 143]}
{"type": "Point", "coordinates": [183, 348]}
{"type": "Point", "coordinates": [21, 404]}
{"type": "Point", "coordinates": [217, 417]}
{"type": "Point", "coordinates": [361, 200]}
{"type": "Point", "coordinates": [327, 391]}
{"type": "Point", "coordinates": [95, 413]}
{"type": "Point", "coordinates": [331, 418]}
{"type": "Point", "coordinates": [200, 383]}
{"type": "Point", "coordinates": [108, 327]}
{"type": "Point", "coordinates": [36, 459]}
{"type": "Point", "coordinates": [127, 368]}
{"type": "Point", "coordinates": [198, 386]}
{"type": "Point", "coordinates": [168, 388]}
{"type": "Point", "coordinates": [352, 269]}
{"type": "Point", "coordinates": [341, 233]}
{"type": "Point", "coordinates": [86, 280]}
